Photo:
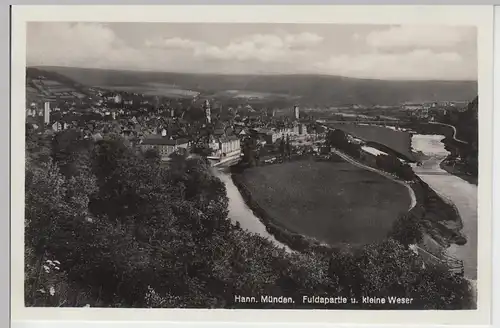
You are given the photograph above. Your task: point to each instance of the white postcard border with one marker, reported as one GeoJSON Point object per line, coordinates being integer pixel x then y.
{"type": "Point", "coordinates": [480, 16]}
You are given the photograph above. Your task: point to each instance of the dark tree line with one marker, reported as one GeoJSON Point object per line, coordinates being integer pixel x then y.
{"type": "Point", "coordinates": [467, 124]}
{"type": "Point", "coordinates": [339, 139]}
{"type": "Point", "coordinates": [110, 228]}
{"type": "Point", "coordinates": [391, 164]}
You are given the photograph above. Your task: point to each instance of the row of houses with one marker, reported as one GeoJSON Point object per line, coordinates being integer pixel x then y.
{"type": "Point", "coordinates": [227, 146]}
{"type": "Point", "coordinates": [270, 136]}
{"type": "Point", "coordinates": [165, 146]}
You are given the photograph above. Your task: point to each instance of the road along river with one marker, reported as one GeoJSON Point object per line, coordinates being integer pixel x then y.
{"type": "Point", "coordinates": [462, 193]}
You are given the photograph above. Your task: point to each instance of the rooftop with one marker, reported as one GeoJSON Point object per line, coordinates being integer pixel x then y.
{"type": "Point", "coordinates": [156, 140]}
{"type": "Point", "coordinates": [230, 138]}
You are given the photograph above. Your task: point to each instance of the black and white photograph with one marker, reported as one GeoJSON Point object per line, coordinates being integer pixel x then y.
{"type": "Point", "coordinates": [251, 165]}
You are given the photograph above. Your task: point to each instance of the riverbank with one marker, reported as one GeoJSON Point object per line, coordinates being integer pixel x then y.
{"type": "Point", "coordinates": [450, 142]}
{"type": "Point", "coordinates": [458, 170]}
{"type": "Point", "coordinates": [373, 221]}
{"type": "Point", "coordinates": [240, 213]}
{"type": "Point", "coordinates": [291, 239]}
{"type": "Point", "coordinates": [461, 194]}
{"type": "Point", "coordinates": [439, 218]}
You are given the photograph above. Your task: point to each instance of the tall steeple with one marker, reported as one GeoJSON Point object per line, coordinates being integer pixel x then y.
{"type": "Point", "coordinates": [296, 113]}
{"type": "Point", "coordinates": [206, 108]}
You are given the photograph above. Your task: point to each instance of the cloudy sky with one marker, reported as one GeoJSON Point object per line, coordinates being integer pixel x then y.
{"type": "Point", "coordinates": [363, 51]}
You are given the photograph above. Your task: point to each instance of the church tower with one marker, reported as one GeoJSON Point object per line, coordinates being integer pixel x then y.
{"type": "Point", "coordinates": [206, 108]}
{"type": "Point", "coordinates": [296, 113]}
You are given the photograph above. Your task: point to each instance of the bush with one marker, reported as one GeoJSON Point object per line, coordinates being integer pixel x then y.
{"type": "Point", "coordinates": [407, 230]}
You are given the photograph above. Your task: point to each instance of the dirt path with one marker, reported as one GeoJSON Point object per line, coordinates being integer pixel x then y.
{"type": "Point", "coordinates": [366, 167]}
{"type": "Point", "coordinates": [454, 131]}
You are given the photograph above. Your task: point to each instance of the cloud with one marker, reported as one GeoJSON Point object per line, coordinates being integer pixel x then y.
{"type": "Point", "coordinates": [98, 46]}
{"type": "Point", "coordinates": [174, 43]}
{"type": "Point", "coordinates": [303, 40]}
{"type": "Point", "coordinates": [75, 44]}
{"type": "Point", "coordinates": [416, 37]}
{"type": "Point", "coordinates": [259, 47]}
{"type": "Point", "coordinates": [417, 64]}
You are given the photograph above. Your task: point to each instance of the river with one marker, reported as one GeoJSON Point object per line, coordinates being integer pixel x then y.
{"type": "Point", "coordinates": [240, 212]}
{"type": "Point", "coordinates": [462, 193]}
{"type": "Point", "coordinates": [453, 188]}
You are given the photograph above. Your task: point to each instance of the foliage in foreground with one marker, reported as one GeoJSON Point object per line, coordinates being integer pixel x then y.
{"type": "Point", "coordinates": [108, 228]}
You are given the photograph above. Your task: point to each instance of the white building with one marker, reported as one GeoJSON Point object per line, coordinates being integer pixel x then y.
{"type": "Point", "coordinates": [206, 108]}
{"type": "Point", "coordinates": [164, 145]}
{"type": "Point", "coordinates": [57, 126]}
{"type": "Point", "coordinates": [296, 112]}
{"type": "Point", "coordinates": [302, 129]}
{"type": "Point", "coordinates": [46, 113]}
{"type": "Point", "coordinates": [225, 147]}
{"type": "Point", "coordinates": [230, 146]}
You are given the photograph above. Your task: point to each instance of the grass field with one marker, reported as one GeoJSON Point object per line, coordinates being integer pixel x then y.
{"type": "Point", "coordinates": [335, 203]}
{"type": "Point", "coordinates": [398, 141]}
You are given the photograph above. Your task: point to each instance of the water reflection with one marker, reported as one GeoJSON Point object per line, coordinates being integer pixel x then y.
{"type": "Point", "coordinates": [240, 212]}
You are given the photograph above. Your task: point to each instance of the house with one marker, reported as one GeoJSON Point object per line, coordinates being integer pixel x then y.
{"type": "Point", "coordinates": [165, 146]}
{"type": "Point", "coordinates": [230, 146]}
{"type": "Point", "coordinates": [269, 136]}
{"type": "Point", "coordinates": [214, 145]}
{"type": "Point", "coordinates": [225, 146]}
{"type": "Point", "coordinates": [219, 132]}
{"type": "Point", "coordinates": [33, 122]}
{"type": "Point", "coordinates": [369, 155]}
{"type": "Point", "coordinates": [302, 129]}
{"type": "Point", "coordinates": [97, 136]}
{"type": "Point", "coordinates": [242, 133]}
{"type": "Point", "coordinates": [31, 112]}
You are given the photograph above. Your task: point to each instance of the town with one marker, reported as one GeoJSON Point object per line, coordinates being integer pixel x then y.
{"type": "Point", "coordinates": [200, 125]}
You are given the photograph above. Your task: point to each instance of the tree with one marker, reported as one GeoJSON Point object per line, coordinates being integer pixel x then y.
{"type": "Point", "coordinates": [71, 152]}
{"type": "Point", "coordinates": [152, 154]}
{"type": "Point", "coordinates": [249, 151]}
{"type": "Point", "coordinates": [282, 147]}
{"type": "Point", "coordinates": [391, 164]}
{"type": "Point", "coordinates": [407, 230]}
{"type": "Point", "coordinates": [202, 150]}
{"type": "Point", "coordinates": [129, 232]}
{"type": "Point", "coordinates": [337, 138]}
{"type": "Point", "coordinates": [288, 147]}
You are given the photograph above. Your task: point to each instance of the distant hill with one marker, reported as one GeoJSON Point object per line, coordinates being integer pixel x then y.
{"type": "Point", "coordinates": [49, 86]}
{"type": "Point", "coordinates": [322, 90]}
